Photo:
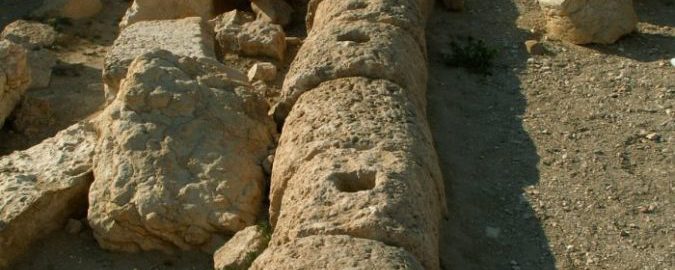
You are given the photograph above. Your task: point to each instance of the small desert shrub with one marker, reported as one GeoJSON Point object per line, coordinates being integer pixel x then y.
{"type": "Point", "coordinates": [473, 55]}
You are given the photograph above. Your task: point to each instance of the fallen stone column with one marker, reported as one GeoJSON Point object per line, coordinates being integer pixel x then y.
{"type": "Point", "coordinates": [335, 252]}
{"type": "Point", "coordinates": [42, 187]}
{"type": "Point", "coordinates": [148, 10]}
{"type": "Point", "coordinates": [356, 49]}
{"type": "Point", "coordinates": [356, 158]}
{"type": "Point", "coordinates": [178, 162]}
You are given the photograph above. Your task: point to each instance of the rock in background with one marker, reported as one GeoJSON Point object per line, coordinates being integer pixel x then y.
{"type": "Point", "coordinates": [177, 165]}
{"type": "Point", "coordinates": [36, 38]}
{"type": "Point", "coordinates": [149, 10]}
{"type": "Point", "coordinates": [14, 77]}
{"type": "Point", "coordinates": [583, 21]}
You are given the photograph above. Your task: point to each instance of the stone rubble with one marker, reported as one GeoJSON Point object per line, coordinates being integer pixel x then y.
{"type": "Point", "coordinates": [272, 11]}
{"type": "Point", "coordinates": [150, 10]}
{"type": "Point", "coordinates": [238, 32]}
{"type": "Point", "coordinates": [36, 38]}
{"type": "Point", "coordinates": [241, 249]}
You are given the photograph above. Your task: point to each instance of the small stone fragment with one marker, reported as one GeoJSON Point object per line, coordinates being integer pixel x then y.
{"type": "Point", "coordinates": [240, 251]}
{"type": "Point", "coordinates": [264, 71]}
{"type": "Point", "coordinates": [534, 47]}
{"type": "Point", "coordinates": [237, 32]}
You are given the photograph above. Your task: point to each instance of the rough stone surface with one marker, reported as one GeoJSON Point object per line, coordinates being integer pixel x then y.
{"type": "Point", "coordinates": [364, 147]}
{"type": "Point", "coordinates": [72, 9]}
{"type": "Point", "coordinates": [41, 63]}
{"type": "Point", "coordinates": [178, 161]}
{"type": "Point", "coordinates": [238, 32]}
{"type": "Point", "coordinates": [335, 252]}
{"type": "Point", "coordinates": [401, 13]}
{"type": "Point", "coordinates": [583, 21]}
{"type": "Point", "coordinates": [241, 249]}
{"type": "Point", "coordinates": [14, 77]}
{"type": "Point", "coordinates": [146, 10]}
{"type": "Point", "coordinates": [184, 37]}
{"type": "Point", "coordinates": [272, 11]}
{"type": "Point", "coordinates": [42, 187]}
{"type": "Point", "coordinates": [30, 34]}
{"type": "Point", "coordinates": [264, 71]}
{"type": "Point", "coordinates": [355, 49]}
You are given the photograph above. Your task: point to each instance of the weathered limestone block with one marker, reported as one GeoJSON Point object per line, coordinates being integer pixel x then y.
{"type": "Point", "coordinates": [272, 11]}
{"type": "Point", "coordinates": [583, 21]}
{"type": "Point", "coordinates": [363, 146]}
{"type": "Point", "coordinates": [14, 77]}
{"type": "Point", "coordinates": [42, 187]}
{"type": "Point", "coordinates": [237, 32]}
{"type": "Point", "coordinates": [30, 34]}
{"type": "Point", "coordinates": [335, 252]}
{"type": "Point", "coordinates": [35, 37]}
{"type": "Point", "coordinates": [72, 9]}
{"type": "Point", "coordinates": [239, 251]}
{"type": "Point", "coordinates": [178, 159]}
{"type": "Point", "coordinates": [406, 14]}
{"type": "Point", "coordinates": [149, 10]}
{"type": "Point", "coordinates": [184, 37]}
{"type": "Point", "coordinates": [372, 50]}
{"type": "Point", "coordinates": [264, 71]}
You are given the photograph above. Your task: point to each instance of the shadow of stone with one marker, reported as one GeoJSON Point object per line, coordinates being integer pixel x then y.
{"type": "Point", "coordinates": [656, 12]}
{"type": "Point", "coordinates": [643, 47]}
{"type": "Point", "coordinates": [487, 157]}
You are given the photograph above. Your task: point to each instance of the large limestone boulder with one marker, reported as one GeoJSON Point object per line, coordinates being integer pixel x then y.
{"type": "Point", "coordinates": [355, 49]}
{"type": "Point", "coordinates": [240, 251]}
{"type": "Point", "coordinates": [147, 10]}
{"type": "Point", "coordinates": [272, 11]}
{"type": "Point", "coordinates": [72, 9]}
{"type": "Point", "coordinates": [356, 158]}
{"type": "Point", "coordinates": [184, 37]}
{"type": "Point", "coordinates": [42, 187]}
{"type": "Point", "coordinates": [406, 14]}
{"type": "Point", "coordinates": [238, 32]}
{"type": "Point", "coordinates": [35, 37]}
{"type": "Point", "coordinates": [177, 164]}
{"type": "Point", "coordinates": [14, 76]}
{"type": "Point", "coordinates": [583, 21]}
{"type": "Point", "coordinates": [335, 252]}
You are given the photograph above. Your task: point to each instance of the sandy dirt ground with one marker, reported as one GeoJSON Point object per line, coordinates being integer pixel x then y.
{"type": "Point", "coordinates": [556, 161]}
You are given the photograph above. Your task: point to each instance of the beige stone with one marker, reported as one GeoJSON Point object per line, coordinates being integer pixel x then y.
{"type": "Point", "coordinates": [363, 146]}
{"type": "Point", "coordinates": [583, 21]}
{"type": "Point", "coordinates": [406, 14]}
{"type": "Point", "coordinates": [42, 187]}
{"type": "Point", "coordinates": [238, 33]}
{"type": "Point", "coordinates": [30, 34]}
{"type": "Point", "coordinates": [178, 159]}
{"type": "Point", "coordinates": [373, 50]}
{"type": "Point", "coordinates": [264, 71]}
{"type": "Point", "coordinates": [534, 47]}
{"type": "Point", "coordinates": [240, 251]}
{"type": "Point", "coordinates": [335, 252]}
{"type": "Point", "coordinates": [148, 10]}
{"type": "Point", "coordinates": [272, 11]}
{"type": "Point", "coordinates": [184, 37]}
{"type": "Point", "coordinates": [72, 9]}
{"type": "Point", "coordinates": [14, 77]}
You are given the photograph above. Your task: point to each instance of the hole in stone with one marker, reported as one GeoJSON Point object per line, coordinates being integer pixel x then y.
{"type": "Point", "coordinates": [354, 181]}
{"type": "Point", "coordinates": [355, 36]}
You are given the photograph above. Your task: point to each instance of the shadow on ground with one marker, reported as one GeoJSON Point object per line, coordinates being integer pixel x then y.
{"type": "Point", "coordinates": [487, 157]}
